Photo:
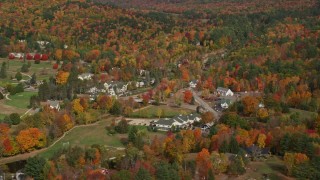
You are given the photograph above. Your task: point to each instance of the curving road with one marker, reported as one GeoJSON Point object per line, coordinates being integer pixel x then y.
{"type": "Point", "coordinates": [205, 105]}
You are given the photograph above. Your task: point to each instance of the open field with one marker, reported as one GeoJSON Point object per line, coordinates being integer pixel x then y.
{"type": "Point", "coordinates": [2, 116]}
{"type": "Point", "coordinates": [20, 100]}
{"type": "Point", "coordinates": [86, 136]}
{"type": "Point", "coordinates": [6, 109]}
{"type": "Point", "coordinates": [153, 112]}
{"type": "Point", "coordinates": [303, 115]}
{"type": "Point", "coordinates": [272, 168]}
{"type": "Point", "coordinates": [43, 70]}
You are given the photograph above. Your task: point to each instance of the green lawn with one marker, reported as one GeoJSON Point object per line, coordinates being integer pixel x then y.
{"type": "Point", "coordinates": [153, 112]}
{"type": "Point", "coordinates": [2, 116]}
{"type": "Point", "coordinates": [20, 100]}
{"type": "Point", "coordinates": [43, 70]}
{"type": "Point", "coordinates": [86, 136]}
{"type": "Point", "coordinates": [273, 168]}
{"type": "Point", "coordinates": [303, 115]}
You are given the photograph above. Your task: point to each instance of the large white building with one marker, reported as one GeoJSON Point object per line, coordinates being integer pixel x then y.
{"type": "Point", "coordinates": [180, 121]}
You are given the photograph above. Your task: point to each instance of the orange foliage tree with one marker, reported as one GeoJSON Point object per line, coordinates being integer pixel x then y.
{"type": "Point", "coordinates": [250, 104]}
{"type": "Point", "coordinates": [30, 139]}
{"type": "Point", "coordinates": [64, 122]}
{"type": "Point", "coordinates": [203, 163]}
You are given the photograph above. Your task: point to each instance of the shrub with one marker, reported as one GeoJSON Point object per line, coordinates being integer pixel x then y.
{"type": "Point", "coordinates": [11, 56]}
{"type": "Point", "coordinates": [18, 76]}
{"type": "Point", "coordinates": [37, 61]}
{"type": "Point", "coordinates": [15, 118]}
{"type": "Point", "coordinates": [29, 56]}
{"type": "Point", "coordinates": [55, 66]}
{"type": "Point", "coordinates": [37, 57]}
{"type": "Point", "coordinates": [24, 68]}
{"type": "Point", "coordinates": [44, 57]}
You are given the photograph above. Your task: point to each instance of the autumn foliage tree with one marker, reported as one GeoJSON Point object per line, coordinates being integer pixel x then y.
{"type": "Point", "coordinates": [188, 96]}
{"type": "Point", "coordinates": [30, 139]}
{"type": "Point", "coordinates": [207, 117]}
{"type": "Point", "coordinates": [250, 105]}
{"type": "Point", "coordinates": [203, 163]}
{"type": "Point", "coordinates": [62, 77]}
{"type": "Point", "coordinates": [64, 122]}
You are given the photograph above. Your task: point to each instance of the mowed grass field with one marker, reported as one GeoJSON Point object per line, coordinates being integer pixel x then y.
{"type": "Point", "coordinates": [85, 136]}
{"type": "Point", "coordinates": [153, 112]}
{"type": "Point", "coordinates": [43, 70]}
{"type": "Point", "coordinates": [20, 100]}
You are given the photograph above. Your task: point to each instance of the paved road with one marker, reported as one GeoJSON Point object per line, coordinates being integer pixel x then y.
{"type": "Point", "coordinates": [205, 105]}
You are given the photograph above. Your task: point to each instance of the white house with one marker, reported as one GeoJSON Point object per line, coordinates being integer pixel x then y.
{"type": "Point", "coordinates": [224, 91]}
{"type": "Point", "coordinates": [225, 103]}
{"type": "Point", "coordinates": [140, 84]}
{"type": "Point", "coordinates": [261, 105]}
{"type": "Point", "coordinates": [43, 44]}
{"type": "Point", "coordinates": [116, 88]}
{"type": "Point", "coordinates": [54, 104]}
{"type": "Point", "coordinates": [85, 76]}
{"type": "Point", "coordinates": [193, 83]}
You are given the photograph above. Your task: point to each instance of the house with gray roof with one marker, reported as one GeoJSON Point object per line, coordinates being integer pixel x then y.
{"type": "Point", "coordinates": [54, 104]}
{"type": "Point", "coordinates": [224, 92]}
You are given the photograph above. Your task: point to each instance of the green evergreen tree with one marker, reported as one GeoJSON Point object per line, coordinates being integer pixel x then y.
{"type": "Point", "coordinates": [33, 79]}
{"type": "Point", "coordinates": [143, 174]}
{"type": "Point", "coordinates": [34, 168]}
{"type": "Point", "coordinates": [116, 108]}
{"type": "Point", "coordinates": [224, 148]}
{"type": "Point", "coordinates": [236, 167]}
{"type": "Point", "coordinates": [15, 118]}
{"type": "Point", "coordinates": [133, 133]}
{"type": "Point", "coordinates": [3, 70]}
{"type": "Point", "coordinates": [234, 146]}
{"type": "Point", "coordinates": [24, 68]}
{"type": "Point", "coordinates": [44, 91]}
{"type": "Point", "coordinates": [19, 88]}
{"type": "Point", "coordinates": [122, 175]}
{"type": "Point", "coordinates": [210, 175]}
{"type": "Point", "coordinates": [162, 171]}
{"type": "Point", "coordinates": [18, 76]}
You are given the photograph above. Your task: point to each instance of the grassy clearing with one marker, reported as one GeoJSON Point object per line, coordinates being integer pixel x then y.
{"type": "Point", "coordinates": [20, 100]}
{"type": "Point", "coordinates": [273, 168]}
{"type": "Point", "coordinates": [43, 70]}
{"type": "Point", "coordinates": [303, 115]}
{"type": "Point", "coordinates": [86, 136]}
{"type": "Point", "coordinates": [153, 112]}
{"type": "Point", "coordinates": [2, 116]}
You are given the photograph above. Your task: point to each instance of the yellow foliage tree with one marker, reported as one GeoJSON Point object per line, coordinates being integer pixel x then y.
{"type": "Point", "coordinates": [62, 77]}
{"type": "Point", "coordinates": [77, 107]}
{"type": "Point", "coordinates": [261, 140]}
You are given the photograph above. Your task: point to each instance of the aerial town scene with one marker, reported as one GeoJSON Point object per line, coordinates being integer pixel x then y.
{"type": "Point", "coordinates": [159, 89]}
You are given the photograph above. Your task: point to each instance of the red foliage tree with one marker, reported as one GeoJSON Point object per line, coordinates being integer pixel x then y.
{"type": "Point", "coordinates": [188, 96]}
{"type": "Point", "coordinates": [29, 56]}
{"type": "Point", "coordinates": [44, 57]}
{"type": "Point", "coordinates": [55, 66]}
{"type": "Point", "coordinates": [11, 56]}
{"type": "Point", "coordinates": [37, 57]}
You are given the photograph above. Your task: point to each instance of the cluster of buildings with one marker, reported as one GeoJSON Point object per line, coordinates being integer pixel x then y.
{"type": "Point", "coordinates": [180, 122]}
{"type": "Point", "coordinates": [112, 88]}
